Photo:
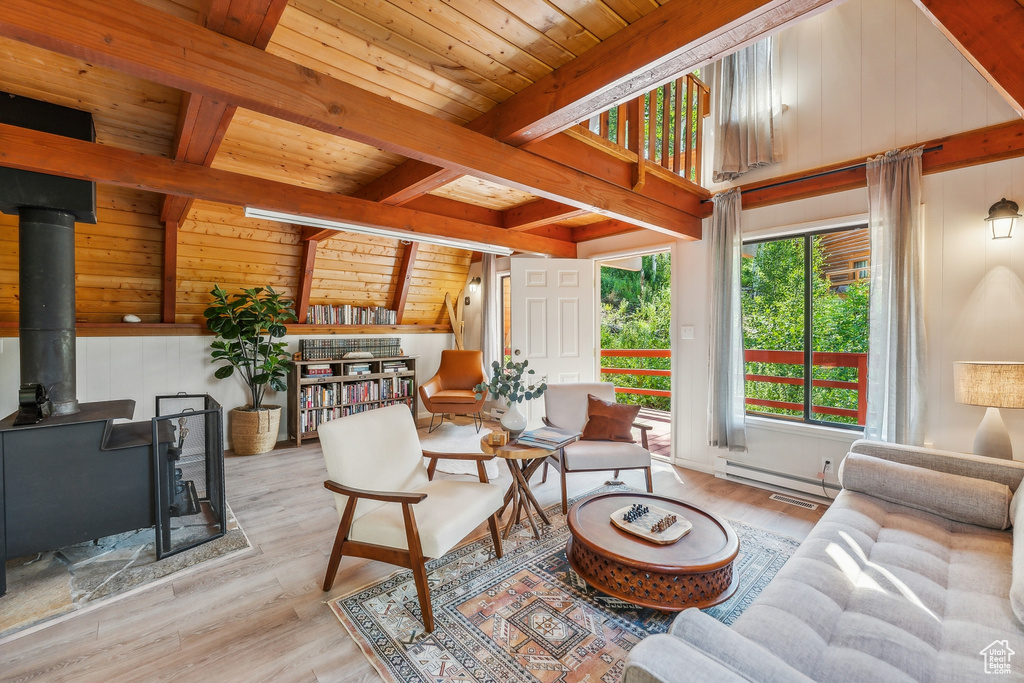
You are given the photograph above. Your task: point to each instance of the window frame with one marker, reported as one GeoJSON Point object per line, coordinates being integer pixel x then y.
{"type": "Point", "coordinates": [807, 236]}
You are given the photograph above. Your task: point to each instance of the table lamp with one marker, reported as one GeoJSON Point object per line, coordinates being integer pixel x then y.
{"type": "Point", "coordinates": [994, 385]}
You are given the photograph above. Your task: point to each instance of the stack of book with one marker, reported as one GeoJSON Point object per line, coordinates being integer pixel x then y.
{"type": "Point", "coordinates": [317, 371]}
{"type": "Point", "coordinates": [358, 369]}
{"type": "Point", "coordinates": [548, 438]}
{"type": "Point", "coordinates": [394, 366]}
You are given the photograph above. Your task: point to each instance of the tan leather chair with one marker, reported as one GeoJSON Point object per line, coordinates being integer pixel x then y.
{"type": "Point", "coordinates": [565, 406]}
{"type": "Point", "coordinates": [389, 508]}
{"type": "Point", "coordinates": [451, 389]}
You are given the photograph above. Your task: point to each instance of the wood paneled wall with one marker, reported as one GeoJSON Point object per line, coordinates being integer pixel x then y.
{"type": "Point", "coordinates": [218, 245]}
{"type": "Point", "coordinates": [118, 261]}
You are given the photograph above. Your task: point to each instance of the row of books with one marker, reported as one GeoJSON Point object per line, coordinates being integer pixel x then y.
{"type": "Point", "coordinates": [394, 366]}
{"type": "Point", "coordinates": [318, 396]}
{"type": "Point", "coordinates": [324, 314]}
{"type": "Point", "coordinates": [311, 419]}
{"type": "Point", "coordinates": [395, 388]}
{"type": "Point", "coordinates": [319, 370]}
{"type": "Point", "coordinates": [359, 392]}
{"type": "Point", "coordinates": [548, 438]}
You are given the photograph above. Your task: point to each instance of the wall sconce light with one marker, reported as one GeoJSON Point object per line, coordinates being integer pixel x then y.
{"type": "Point", "coordinates": [1001, 216]}
{"type": "Point", "coordinates": [474, 284]}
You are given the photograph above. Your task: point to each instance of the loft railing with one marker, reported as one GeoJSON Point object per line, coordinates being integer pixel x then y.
{"type": "Point", "coordinates": [818, 360]}
{"type": "Point", "coordinates": [664, 126]}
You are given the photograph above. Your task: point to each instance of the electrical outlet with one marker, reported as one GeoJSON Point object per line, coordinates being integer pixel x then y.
{"type": "Point", "coordinates": [826, 466]}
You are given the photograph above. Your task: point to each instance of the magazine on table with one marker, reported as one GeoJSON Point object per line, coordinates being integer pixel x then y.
{"type": "Point", "coordinates": [549, 438]}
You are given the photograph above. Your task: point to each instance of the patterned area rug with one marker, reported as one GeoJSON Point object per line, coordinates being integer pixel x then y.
{"type": "Point", "coordinates": [525, 617]}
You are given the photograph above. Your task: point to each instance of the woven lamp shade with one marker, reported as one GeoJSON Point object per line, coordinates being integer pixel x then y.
{"type": "Point", "coordinates": [992, 384]}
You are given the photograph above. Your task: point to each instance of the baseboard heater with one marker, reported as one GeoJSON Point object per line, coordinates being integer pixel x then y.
{"type": "Point", "coordinates": [762, 478]}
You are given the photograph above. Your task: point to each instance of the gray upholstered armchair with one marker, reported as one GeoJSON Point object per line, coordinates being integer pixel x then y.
{"type": "Point", "coordinates": [565, 406]}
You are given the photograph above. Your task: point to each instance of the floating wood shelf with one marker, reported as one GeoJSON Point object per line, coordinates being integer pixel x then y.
{"type": "Point", "coordinates": [192, 329]}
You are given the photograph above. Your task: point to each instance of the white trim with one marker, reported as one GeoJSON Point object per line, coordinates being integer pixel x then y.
{"type": "Point", "coordinates": [804, 228]}
{"type": "Point", "coordinates": [253, 212]}
{"type": "Point", "coordinates": [694, 465]}
{"type": "Point", "coordinates": [803, 429]}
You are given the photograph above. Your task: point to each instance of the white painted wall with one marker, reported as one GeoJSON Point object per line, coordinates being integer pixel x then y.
{"type": "Point", "coordinates": [866, 76]}
{"type": "Point", "coordinates": [142, 368]}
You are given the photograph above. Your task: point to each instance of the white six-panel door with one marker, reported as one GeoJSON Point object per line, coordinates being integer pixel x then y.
{"type": "Point", "coordinates": [553, 308]}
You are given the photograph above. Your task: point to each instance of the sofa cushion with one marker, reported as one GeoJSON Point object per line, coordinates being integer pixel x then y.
{"type": "Point", "coordinates": [1017, 584]}
{"type": "Point", "coordinates": [1009, 472]}
{"type": "Point", "coordinates": [884, 592]}
{"type": "Point", "coordinates": [960, 498]}
{"type": "Point", "coordinates": [609, 421]}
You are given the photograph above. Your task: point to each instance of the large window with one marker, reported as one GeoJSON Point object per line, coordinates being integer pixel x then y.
{"type": "Point", "coordinates": [805, 314]}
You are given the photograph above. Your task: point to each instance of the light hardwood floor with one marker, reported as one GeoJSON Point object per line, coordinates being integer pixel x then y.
{"type": "Point", "coordinates": [262, 615]}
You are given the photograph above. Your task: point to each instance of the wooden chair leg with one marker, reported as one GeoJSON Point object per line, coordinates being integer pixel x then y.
{"type": "Point", "coordinates": [616, 474]}
{"type": "Point", "coordinates": [339, 542]}
{"type": "Point", "coordinates": [544, 474]}
{"type": "Point", "coordinates": [492, 522]}
{"type": "Point", "coordinates": [431, 468]}
{"type": "Point", "coordinates": [419, 567]}
{"type": "Point", "coordinates": [565, 497]}
{"type": "Point", "coordinates": [650, 485]}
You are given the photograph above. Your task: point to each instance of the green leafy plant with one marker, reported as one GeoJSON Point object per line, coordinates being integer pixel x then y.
{"type": "Point", "coordinates": [507, 383]}
{"type": "Point", "coordinates": [246, 324]}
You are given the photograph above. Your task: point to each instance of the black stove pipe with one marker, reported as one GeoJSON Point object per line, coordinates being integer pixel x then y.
{"type": "Point", "coordinates": [46, 317]}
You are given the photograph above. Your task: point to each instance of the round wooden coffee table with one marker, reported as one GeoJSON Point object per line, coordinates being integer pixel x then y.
{"type": "Point", "coordinates": [695, 571]}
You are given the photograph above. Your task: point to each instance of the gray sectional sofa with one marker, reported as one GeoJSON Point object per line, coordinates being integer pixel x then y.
{"type": "Point", "coordinates": [911, 575]}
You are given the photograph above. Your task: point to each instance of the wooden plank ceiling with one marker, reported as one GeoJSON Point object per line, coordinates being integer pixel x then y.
{"type": "Point", "coordinates": [454, 60]}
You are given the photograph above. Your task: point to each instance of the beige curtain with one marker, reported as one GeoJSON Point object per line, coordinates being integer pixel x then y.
{"type": "Point", "coordinates": [726, 428]}
{"type": "Point", "coordinates": [748, 108]}
{"type": "Point", "coordinates": [896, 356]}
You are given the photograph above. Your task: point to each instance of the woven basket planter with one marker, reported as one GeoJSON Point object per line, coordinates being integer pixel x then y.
{"type": "Point", "coordinates": [254, 431]}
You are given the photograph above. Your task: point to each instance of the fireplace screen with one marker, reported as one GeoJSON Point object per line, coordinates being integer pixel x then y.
{"type": "Point", "coordinates": [188, 472]}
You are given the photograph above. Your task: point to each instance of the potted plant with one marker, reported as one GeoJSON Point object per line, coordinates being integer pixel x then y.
{"type": "Point", "coordinates": [507, 384]}
{"type": "Point", "coordinates": [246, 324]}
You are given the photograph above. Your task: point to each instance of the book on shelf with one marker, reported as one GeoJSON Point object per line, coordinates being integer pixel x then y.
{"type": "Point", "coordinates": [548, 438]}
{"type": "Point", "coordinates": [358, 369]}
{"type": "Point", "coordinates": [394, 366]}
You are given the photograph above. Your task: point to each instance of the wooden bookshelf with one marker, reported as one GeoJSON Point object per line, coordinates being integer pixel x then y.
{"type": "Point", "coordinates": [314, 399]}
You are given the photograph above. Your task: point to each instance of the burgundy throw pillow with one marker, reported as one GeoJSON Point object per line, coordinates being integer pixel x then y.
{"type": "Point", "coordinates": [609, 421]}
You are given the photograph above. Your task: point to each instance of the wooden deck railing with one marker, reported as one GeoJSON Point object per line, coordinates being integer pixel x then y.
{"type": "Point", "coordinates": [658, 125]}
{"type": "Point", "coordinates": [645, 372]}
{"type": "Point", "coordinates": [819, 360]}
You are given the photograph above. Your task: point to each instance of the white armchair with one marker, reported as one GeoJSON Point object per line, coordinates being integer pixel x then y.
{"type": "Point", "coordinates": [565, 406]}
{"type": "Point", "coordinates": [389, 508]}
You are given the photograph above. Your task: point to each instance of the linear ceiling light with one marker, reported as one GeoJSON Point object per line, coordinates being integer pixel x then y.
{"type": "Point", "coordinates": [251, 212]}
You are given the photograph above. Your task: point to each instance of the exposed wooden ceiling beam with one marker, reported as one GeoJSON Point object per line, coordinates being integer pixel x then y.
{"type": "Point", "coordinates": [988, 33]}
{"type": "Point", "coordinates": [981, 146]}
{"type": "Point", "coordinates": [675, 38]}
{"type": "Point", "coordinates": [602, 229]}
{"type": "Point", "coordinates": [140, 41]}
{"type": "Point", "coordinates": [169, 293]}
{"type": "Point", "coordinates": [202, 122]}
{"type": "Point", "coordinates": [306, 267]}
{"type": "Point", "coordinates": [405, 267]}
{"type": "Point", "coordinates": [536, 213]}
{"type": "Point", "coordinates": [45, 153]}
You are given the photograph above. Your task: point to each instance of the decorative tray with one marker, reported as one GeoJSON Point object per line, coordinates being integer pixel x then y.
{"type": "Point", "coordinates": [643, 521]}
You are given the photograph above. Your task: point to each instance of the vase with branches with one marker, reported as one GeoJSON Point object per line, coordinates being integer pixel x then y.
{"type": "Point", "coordinates": [508, 384]}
